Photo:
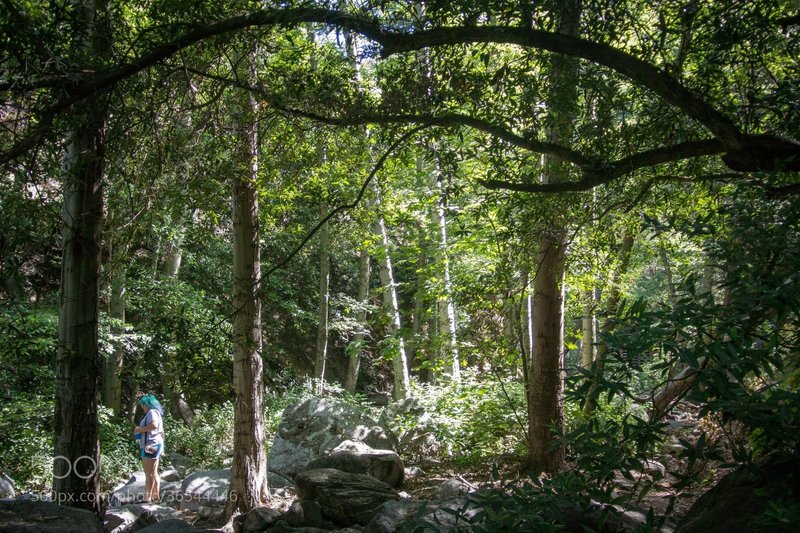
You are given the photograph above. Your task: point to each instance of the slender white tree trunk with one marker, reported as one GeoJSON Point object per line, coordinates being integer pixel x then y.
{"type": "Point", "coordinates": [587, 329]}
{"type": "Point", "coordinates": [321, 359]}
{"type": "Point", "coordinates": [446, 311]}
{"type": "Point", "coordinates": [402, 382]}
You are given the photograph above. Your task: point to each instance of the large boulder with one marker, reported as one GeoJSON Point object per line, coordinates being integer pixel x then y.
{"type": "Point", "coordinates": [260, 519]}
{"type": "Point", "coordinates": [344, 498]}
{"type": "Point", "coordinates": [132, 517]}
{"type": "Point", "coordinates": [132, 491]}
{"type": "Point", "coordinates": [180, 463]}
{"type": "Point", "coordinates": [358, 458]}
{"type": "Point", "coordinates": [415, 428]}
{"type": "Point", "coordinates": [205, 489]}
{"type": "Point", "coordinates": [442, 516]}
{"type": "Point", "coordinates": [739, 501]}
{"type": "Point", "coordinates": [314, 427]}
{"type": "Point", "coordinates": [26, 516]}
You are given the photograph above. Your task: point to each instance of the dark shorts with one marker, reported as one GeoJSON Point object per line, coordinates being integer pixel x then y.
{"type": "Point", "coordinates": [158, 449]}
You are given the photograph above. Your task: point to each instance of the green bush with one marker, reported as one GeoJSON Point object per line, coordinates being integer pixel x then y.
{"type": "Point", "coordinates": [472, 421]}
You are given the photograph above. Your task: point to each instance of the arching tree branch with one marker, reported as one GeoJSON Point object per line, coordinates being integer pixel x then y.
{"type": "Point", "coordinates": [743, 152]}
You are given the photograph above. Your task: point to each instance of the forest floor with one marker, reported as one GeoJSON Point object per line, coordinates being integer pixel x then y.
{"type": "Point", "coordinates": [664, 495]}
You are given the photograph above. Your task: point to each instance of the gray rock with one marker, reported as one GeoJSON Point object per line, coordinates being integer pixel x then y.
{"type": "Point", "coordinates": [6, 486]}
{"type": "Point", "coordinates": [206, 489]}
{"type": "Point", "coordinates": [383, 465]}
{"type": "Point", "coordinates": [260, 519]}
{"type": "Point", "coordinates": [170, 474]}
{"type": "Point", "coordinates": [171, 494]}
{"type": "Point", "coordinates": [131, 491]}
{"type": "Point", "coordinates": [118, 520]}
{"type": "Point", "coordinates": [304, 513]}
{"type": "Point", "coordinates": [449, 489]}
{"type": "Point", "coordinates": [277, 481]}
{"type": "Point", "coordinates": [173, 525]}
{"type": "Point", "coordinates": [313, 428]}
{"type": "Point", "coordinates": [345, 498]}
{"type": "Point", "coordinates": [150, 513]}
{"type": "Point", "coordinates": [238, 523]}
{"type": "Point", "coordinates": [25, 516]}
{"type": "Point", "coordinates": [389, 515]}
{"type": "Point", "coordinates": [181, 463]}
{"type": "Point", "coordinates": [654, 468]}
{"type": "Point", "coordinates": [412, 472]}
{"type": "Point", "coordinates": [444, 516]}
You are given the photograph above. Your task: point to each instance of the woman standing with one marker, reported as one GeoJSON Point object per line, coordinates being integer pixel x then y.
{"type": "Point", "coordinates": [150, 434]}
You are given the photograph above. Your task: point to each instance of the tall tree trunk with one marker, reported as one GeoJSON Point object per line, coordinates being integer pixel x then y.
{"type": "Point", "coordinates": [587, 329]}
{"type": "Point", "coordinates": [526, 314]}
{"type": "Point", "coordinates": [249, 468]}
{"type": "Point", "coordinates": [321, 358]}
{"type": "Point", "coordinates": [9, 272]}
{"type": "Point", "coordinates": [354, 353]}
{"type": "Point", "coordinates": [170, 380]}
{"type": "Point", "coordinates": [173, 256]}
{"type": "Point", "coordinates": [402, 382]}
{"type": "Point", "coordinates": [446, 313]}
{"type": "Point", "coordinates": [417, 346]}
{"type": "Point", "coordinates": [546, 385]}
{"type": "Point", "coordinates": [112, 367]}
{"type": "Point", "coordinates": [612, 305]}
{"type": "Point", "coordinates": [76, 473]}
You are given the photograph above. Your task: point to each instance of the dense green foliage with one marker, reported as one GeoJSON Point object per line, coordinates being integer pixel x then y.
{"type": "Point", "coordinates": [684, 121]}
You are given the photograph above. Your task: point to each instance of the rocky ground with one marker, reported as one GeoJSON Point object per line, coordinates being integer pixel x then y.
{"type": "Point", "coordinates": [332, 468]}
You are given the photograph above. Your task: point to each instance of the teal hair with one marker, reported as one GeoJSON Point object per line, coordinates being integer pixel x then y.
{"type": "Point", "coordinates": [152, 402]}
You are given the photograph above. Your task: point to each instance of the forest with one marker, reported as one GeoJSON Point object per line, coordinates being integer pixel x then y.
{"type": "Point", "coordinates": [401, 265]}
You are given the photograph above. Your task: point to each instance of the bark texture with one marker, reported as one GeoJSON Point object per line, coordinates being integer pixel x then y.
{"type": "Point", "coordinates": [545, 382]}
{"type": "Point", "coordinates": [249, 469]}
{"type": "Point", "coordinates": [76, 472]}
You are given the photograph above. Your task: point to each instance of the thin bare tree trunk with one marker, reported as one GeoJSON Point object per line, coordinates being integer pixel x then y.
{"type": "Point", "coordinates": [402, 382]}
{"type": "Point", "coordinates": [612, 304]}
{"type": "Point", "coordinates": [417, 344]}
{"type": "Point", "coordinates": [546, 384]}
{"type": "Point", "coordinates": [320, 361]}
{"type": "Point", "coordinates": [112, 367]}
{"type": "Point", "coordinates": [249, 468]}
{"type": "Point", "coordinates": [173, 256]}
{"type": "Point", "coordinates": [9, 272]}
{"type": "Point", "coordinates": [445, 307]}
{"type": "Point", "coordinates": [587, 329]}
{"type": "Point", "coordinates": [354, 359]}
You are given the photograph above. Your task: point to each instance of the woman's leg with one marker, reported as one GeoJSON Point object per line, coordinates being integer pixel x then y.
{"type": "Point", "coordinates": [147, 466]}
{"type": "Point", "coordinates": [156, 485]}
